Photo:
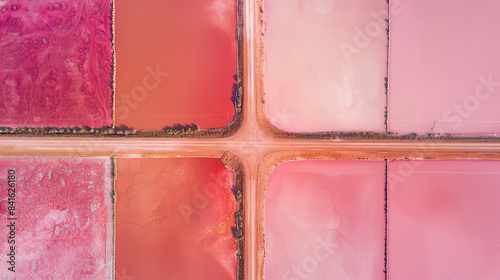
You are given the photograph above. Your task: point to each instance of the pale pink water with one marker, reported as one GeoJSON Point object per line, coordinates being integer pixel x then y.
{"type": "Point", "coordinates": [325, 220]}
{"type": "Point", "coordinates": [325, 63]}
{"type": "Point", "coordinates": [445, 67]}
{"type": "Point", "coordinates": [444, 220]}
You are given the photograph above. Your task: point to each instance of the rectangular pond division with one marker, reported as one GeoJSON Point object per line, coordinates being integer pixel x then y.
{"type": "Point", "coordinates": [444, 220]}
{"type": "Point", "coordinates": [445, 67]}
{"type": "Point", "coordinates": [325, 220]}
{"type": "Point", "coordinates": [58, 212]}
{"type": "Point", "coordinates": [56, 63]}
{"type": "Point", "coordinates": [175, 219]}
{"type": "Point", "coordinates": [177, 64]}
{"type": "Point", "coordinates": [325, 64]}
{"type": "Point", "coordinates": [249, 140]}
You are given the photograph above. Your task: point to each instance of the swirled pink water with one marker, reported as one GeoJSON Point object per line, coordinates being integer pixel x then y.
{"type": "Point", "coordinates": [325, 220]}
{"type": "Point", "coordinates": [444, 220]}
{"type": "Point", "coordinates": [175, 219]}
{"type": "Point", "coordinates": [64, 218]}
{"type": "Point", "coordinates": [445, 67]}
{"type": "Point", "coordinates": [325, 63]}
{"type": "Point", "coordinates": [55, 63]}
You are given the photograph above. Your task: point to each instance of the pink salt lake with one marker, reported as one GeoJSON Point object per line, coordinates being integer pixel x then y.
{"type": "Point", "coordinates": [175, 219]}
{"type": "Point", "coordinates": [445, 67]}
{"type": "Point", "coordinates": [55, 61]}
{"type": "Point", "coordinates": [325, 63]}
{"type": "Point", "coordinates": [64, 225]}
{"type": "Point", "coordinates": [325, 220]}
{"type": "Point", "coordinates": [443, 220]}
{"type": "Point", "coordinates": [186, 71]}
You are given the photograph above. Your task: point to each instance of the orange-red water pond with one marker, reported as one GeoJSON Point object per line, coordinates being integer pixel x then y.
{"type": "Point", "coordinates": [177, 63]}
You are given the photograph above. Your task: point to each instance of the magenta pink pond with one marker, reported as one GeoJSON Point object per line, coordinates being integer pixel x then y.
{"type": "Point", "coordinates": [56, 63]}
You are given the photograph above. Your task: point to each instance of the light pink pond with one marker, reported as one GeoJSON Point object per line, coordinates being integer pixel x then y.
{"type": "Point", "coordinates": [62, 218]}
{"type": "Point", "coordinates": [325, 220]}
{"type": "Point", "coordinates": [325, 63]}
{"type": "Point", "coordinates": [445, 67]}
{"type": "Point", "coordinates": [444, 220]}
